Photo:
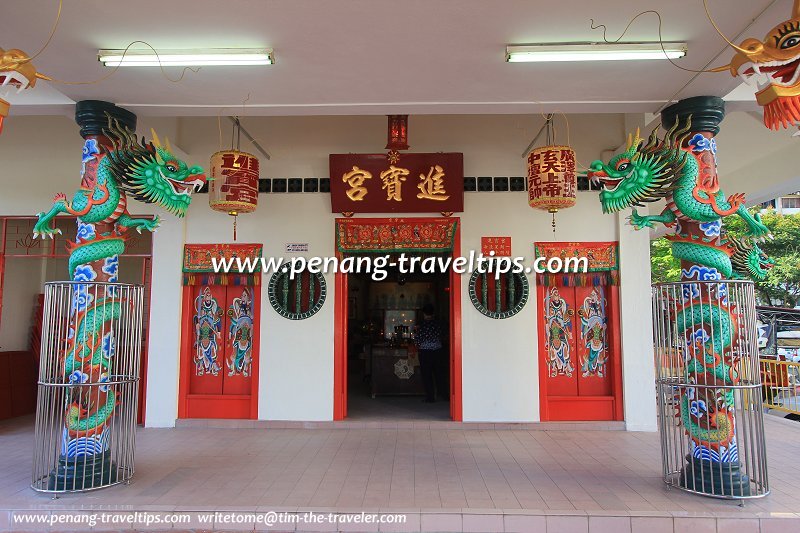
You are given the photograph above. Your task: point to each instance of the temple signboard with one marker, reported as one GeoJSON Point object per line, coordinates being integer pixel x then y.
{"type": "Point", "coordinates": [416, 183]}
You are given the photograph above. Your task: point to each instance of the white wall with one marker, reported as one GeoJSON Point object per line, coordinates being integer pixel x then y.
{"type": "Point", "coordinates": [296, 359]}
{"type": "Point", "coordinates": [499, 356]}
{"type": "Point", "coordinates": [24, 277]}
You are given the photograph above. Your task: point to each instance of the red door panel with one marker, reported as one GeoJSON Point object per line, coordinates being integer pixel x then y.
{"type": "Point", "coordinates": [579, 353]}
{"type": "Point", "coordinates": [558, 347]}
{"type": "Point", "coordinates": [238, 340]}
{"type": "Point", "coordinates": [207, 347]}
{"type": "Point", "coordinates": [220, 361]}
{"type": "Point", "coordinates": [594, 378]}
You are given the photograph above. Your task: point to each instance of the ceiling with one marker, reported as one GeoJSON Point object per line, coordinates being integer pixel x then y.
{"type": "Point", "coordinates": [375, 56]}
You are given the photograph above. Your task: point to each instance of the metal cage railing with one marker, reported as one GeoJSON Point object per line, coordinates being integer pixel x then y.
{"type": "Point", "coordinates": [709, 388]}
{"type": "Point", "coordinates": [88, 385]}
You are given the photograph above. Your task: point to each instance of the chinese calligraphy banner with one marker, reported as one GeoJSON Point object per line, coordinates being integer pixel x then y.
{"type": "Point", "coordinates": [417, 183]}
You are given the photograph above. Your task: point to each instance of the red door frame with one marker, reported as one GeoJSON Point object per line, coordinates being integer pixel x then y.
{"type": "Point", "coordinates": [615, 363]}
{"type": "Point", "coordinates": [340, 339]}
{"type": "Point", "coordinates": [217, 403]}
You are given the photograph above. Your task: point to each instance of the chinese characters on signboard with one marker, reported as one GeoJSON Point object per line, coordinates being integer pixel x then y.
{"type": "Point", "coordinates": [501, 246]}
{"type": "Point", "coordinates": [552, 180]}
{"type": "Point", "coordinates": [369, 183]}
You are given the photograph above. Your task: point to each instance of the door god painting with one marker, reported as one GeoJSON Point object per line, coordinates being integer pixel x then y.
{"type": "Point", "coordinates": [240, 334]}
{"type": "Point", "coordinates": [207, 328]}
{"type": "Point", "coordinates": [558, 333]}
{"type": "Point", "coordinates": [593, 334]}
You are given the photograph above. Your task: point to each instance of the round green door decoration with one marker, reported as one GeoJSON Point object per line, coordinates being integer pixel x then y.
{"type": "Point", "coordinates": [298, 298]}
{"type": "Point", "coordinates": [501, 297]}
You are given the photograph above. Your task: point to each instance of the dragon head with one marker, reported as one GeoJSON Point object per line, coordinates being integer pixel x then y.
{"type": "Point", "coordinates": [773, 66]}
{"type": "Point", "coordinates": [748, 260]}
{"type": "Point", "coordinates": [16, 72]}
{"type": "Point", "coordinates": [150, 173]}
{"type": "Point", "coordinates": [644, 172]}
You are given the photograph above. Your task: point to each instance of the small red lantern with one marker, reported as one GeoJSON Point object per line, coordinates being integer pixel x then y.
{"type": "Point", "coordinates": [233, 188]}
{"type": "Point", "coordinates": [552, 179]}
{"type": "Point", "coordinates": [398, 132]}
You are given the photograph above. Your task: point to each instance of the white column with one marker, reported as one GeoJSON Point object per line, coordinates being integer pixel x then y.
{"type": "Point", "coordinates": [638, 370]}
{"type": "Point", "coordinates": [636, 314]}
{"type": "Point", "coordinates": [163, 351]}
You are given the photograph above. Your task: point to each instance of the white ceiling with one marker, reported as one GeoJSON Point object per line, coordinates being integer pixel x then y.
{"type": "Point", "coordinates": [375, 56]}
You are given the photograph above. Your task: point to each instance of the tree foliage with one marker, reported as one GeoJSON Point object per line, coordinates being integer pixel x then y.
{"type": "Point", "coordinates": [782, 286]}
{"type": "Point", "coordinates": [664, 267]}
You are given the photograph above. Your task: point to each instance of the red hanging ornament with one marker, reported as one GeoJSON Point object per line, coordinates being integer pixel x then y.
{"type": "Point", "coordinates": [233, 187]}
{"type": "Point", "coordinates": [398, 133]}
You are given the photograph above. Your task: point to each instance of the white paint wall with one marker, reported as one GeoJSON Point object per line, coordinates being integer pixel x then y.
{"type": "Point", "coordinates": [19, 301]}
{"type": "Point", "coordinates": [500, 371]}
{"type": "Point", "coordinates": [500, 357]}
{"type": "Point", "coordinates": [296, 359]}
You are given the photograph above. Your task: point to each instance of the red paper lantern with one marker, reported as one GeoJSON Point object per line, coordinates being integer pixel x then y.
{"type": "Point", "coordinates": [233, 187]}
{"type": "Point", "coordinates": [552, 179]}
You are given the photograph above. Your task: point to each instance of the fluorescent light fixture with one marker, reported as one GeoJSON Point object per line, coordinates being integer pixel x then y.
{"type": "Point", "coordinates": [223, 57]}
{"type": "Point", "coordinates": [593, 52]}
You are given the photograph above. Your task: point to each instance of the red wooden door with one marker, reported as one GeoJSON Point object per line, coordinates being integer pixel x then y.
{"type": "Point", "coordinates": [238, 333]}
{"type": "Point", "coordinates": [578, 353]}
{"type": "Point", "coordinates": [220, 352]}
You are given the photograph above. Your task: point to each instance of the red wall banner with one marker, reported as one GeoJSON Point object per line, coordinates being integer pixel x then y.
{"type": "Point", "coordinates": [416, 183]}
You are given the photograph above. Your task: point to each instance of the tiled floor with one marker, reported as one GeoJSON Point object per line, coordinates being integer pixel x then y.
{"type": "Point", "coordinates": [448, 478]}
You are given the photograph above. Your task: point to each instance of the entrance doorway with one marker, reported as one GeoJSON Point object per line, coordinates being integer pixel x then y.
{"type": "Point", "coordinates": [219, 367]}
{"type": "Point", "coordinates": [579, 352]}
{"type": "Point", "coordinates": [388, 376]}
{"type": "Point", "coordinates": [373, 331]}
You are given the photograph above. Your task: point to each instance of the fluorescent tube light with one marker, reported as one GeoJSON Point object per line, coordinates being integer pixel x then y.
{"type": "Point", "coordinates": [593, 52]}
{"type": "Point", "coordinates": [190, 58]}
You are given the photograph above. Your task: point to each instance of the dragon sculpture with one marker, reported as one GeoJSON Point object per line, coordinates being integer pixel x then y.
{"type": "Point", "coordinates": [656, 170]}
{"type": "Point", "coordinates": [16, 72]}
{"type": "Point", "coordinates": [149, 173]}
{"type": "Point", "coordinates": [681, 170]}
{"type": "Point", "coordinates": [772, 65]}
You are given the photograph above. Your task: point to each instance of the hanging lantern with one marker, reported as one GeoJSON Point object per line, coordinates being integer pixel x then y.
{"type": "Point", "coordinates": [398, 137]}
{"type": "Point", "coordinates": [398, 133]}
{"type": "Point", "coordinates": [552, 178]}
{"type": "Point", "coordinates": [233, 187]}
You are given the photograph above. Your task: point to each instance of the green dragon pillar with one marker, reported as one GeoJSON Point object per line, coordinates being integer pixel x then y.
{"type": "Point", "coordinates": [115, 166]}
{"type": "Point", "coordinates": [681, 170]}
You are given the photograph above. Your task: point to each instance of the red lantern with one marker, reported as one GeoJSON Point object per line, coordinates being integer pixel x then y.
{"type": "Point", "coordinates": [552, 179]}
{"type": "Point", "coordinates": [233, 187]}
{"type": "Point", "coordinates": [398, 132]}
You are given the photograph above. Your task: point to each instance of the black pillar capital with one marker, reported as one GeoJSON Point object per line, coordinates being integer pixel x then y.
{"type": "Point", "coordinates": [706, 112]}
{"type": "Point", "coordinates": [92, 116]}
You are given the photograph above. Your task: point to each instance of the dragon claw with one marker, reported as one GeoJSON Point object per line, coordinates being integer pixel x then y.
{"type": "Point", "coordinates": [139, 229]}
